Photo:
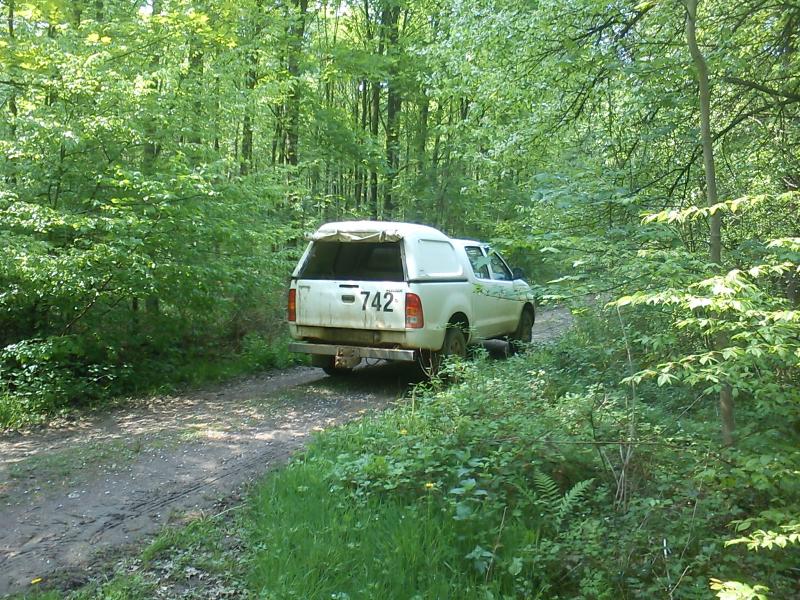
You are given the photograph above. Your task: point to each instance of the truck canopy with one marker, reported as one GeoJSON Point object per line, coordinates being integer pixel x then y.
{"type": "Point", "coordinates": [373, 251]}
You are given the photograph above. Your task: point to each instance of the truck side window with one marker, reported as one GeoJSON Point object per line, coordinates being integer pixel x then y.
{"type": "Point", "coordinates": [480, 265]}
{"type": "Point", "coordinates": [500, 271]}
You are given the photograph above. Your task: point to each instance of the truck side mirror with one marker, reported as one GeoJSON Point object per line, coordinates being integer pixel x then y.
{"type": "Point", "coordinates": [517, 273]}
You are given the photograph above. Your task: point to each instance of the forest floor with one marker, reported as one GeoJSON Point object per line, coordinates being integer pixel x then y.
{"type": "Point", "coordinates": [77, 494]}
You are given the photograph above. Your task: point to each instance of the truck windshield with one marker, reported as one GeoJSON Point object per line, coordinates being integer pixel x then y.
{"type": "Point", "coordinates": [361, 261]}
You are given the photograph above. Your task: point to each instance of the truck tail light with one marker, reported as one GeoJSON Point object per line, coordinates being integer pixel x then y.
{"type": "Point", "coordinates": [292, 305]}
{"type": "Point", "coordinates": [414, 317]}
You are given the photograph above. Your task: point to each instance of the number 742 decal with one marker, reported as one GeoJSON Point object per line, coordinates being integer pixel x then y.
{"type": "Point", "coordinates": [379, 302]}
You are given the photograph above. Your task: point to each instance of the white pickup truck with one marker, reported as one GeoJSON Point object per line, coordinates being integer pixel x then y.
{"type": "Point", "coordinates": [399, 291]}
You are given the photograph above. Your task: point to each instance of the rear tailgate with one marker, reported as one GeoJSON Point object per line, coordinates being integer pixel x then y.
{"type": "Point", "coordinates": [351, 304]}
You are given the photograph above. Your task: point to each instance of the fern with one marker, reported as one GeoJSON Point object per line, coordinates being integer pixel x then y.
{"type": "Point", "coordinates": [571, 499]}
{"type": "Point", "coordinates": [549, 494]}
{"type": "Point", "coordinates": [555, 506]}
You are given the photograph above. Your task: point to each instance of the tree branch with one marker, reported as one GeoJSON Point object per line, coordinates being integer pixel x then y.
{"type": "Point", "coordinates": [89, 305]}
{"type": "Point", "coordinates": [793, 96]}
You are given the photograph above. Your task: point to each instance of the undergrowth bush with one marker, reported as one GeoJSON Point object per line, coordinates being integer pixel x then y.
{"type": "Point", "coordinates": [537, 477]}
{"type": "Point", "coordinates": [541, 476]}
{"type": "Point", "coordinates": [40, 379]}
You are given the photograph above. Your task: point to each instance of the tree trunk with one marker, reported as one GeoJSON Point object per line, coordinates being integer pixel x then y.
{"type": "Point", "coordinates": [12, 101]}
{"type": "Point", "coordinates": [375, 116]}
{"type": "Point", "coordinates": [150, 148]}
{"type": "Point", "coordinates": [297, 25]}
{"type": "Point", "coordinates": [196, 57]}
{"type": "Point", "coordinates": [278, 138]}
{"type": "Point", "coordinates": [77, 15]}
{"type": "Point", "coordinates": [725, 395]}
{"type": "Point", "coordinates": [422, 134]}
{"type": "Point", "coordinates": [391, 15]}
{"type": "Point", "coordinates": [247, 144]}
{"type": "Point", "coordinates": [149, 154]}
{"type": "Point", "coordinates": [52, 94]}
{"type": "Point", "coordinates": [247, 122]}
{"type": "Point", "coordinates": [361, 186]}
{"type": "Point", "coordinates": [251, 79]}
{"type": "Point", "coordinates": [792, 177]}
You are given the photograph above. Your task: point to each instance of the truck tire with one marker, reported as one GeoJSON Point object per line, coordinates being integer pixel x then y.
{"type": "Point", "coordinates": [455, 343]}
{"type": "Point", "coordinates": [523, 335]}
{"type": "Point", "coordinates": [326, 363]}
{"type": "Point", "coordinates": [337, 371]}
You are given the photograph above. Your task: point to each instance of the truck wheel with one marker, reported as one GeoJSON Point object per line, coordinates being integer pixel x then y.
{"type": "Point", "coordinates": [455, 343]}
{"type": "Point", "coordinates": [523, 334]}
{"type": "Point", "coordinates": [326, 363]}
{"type": "Point", "coordinates": [337, 371]}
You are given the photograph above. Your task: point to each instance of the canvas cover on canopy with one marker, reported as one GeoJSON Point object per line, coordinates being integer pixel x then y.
{"type": "Point", "coordinates": [340, 235]}
{"type": "Point", "coordinates": [374, 231]}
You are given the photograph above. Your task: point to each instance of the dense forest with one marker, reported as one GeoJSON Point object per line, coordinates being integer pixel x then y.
{"type": "Point", "coordinates": [161, 161]}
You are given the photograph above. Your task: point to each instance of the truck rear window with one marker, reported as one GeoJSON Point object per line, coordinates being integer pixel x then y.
{"type": "Point", "coordinates": [362, 261]}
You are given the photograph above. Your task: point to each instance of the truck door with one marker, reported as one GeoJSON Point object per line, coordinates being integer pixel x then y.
{"type": "Point", "coordinates": [486, 301]}
{"type": "Point", "coordinates": [509, 303]}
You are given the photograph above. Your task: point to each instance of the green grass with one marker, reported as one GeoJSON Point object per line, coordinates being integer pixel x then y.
{"type": "Point", "coordinates": [440, 498]}
{"type": "Point", "coordinates": [332, 548]}
{"type": "Point", "coordinates": [119, 588]}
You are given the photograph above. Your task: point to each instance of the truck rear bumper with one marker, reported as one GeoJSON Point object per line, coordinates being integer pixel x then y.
{"type": "Point", "coordinates": [353, 351]}
{"type": "Point", "coordinates": [427, 338]}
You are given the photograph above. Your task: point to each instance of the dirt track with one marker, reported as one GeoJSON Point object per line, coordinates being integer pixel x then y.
{"type": "Point", "coordinates": [72, 494]}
